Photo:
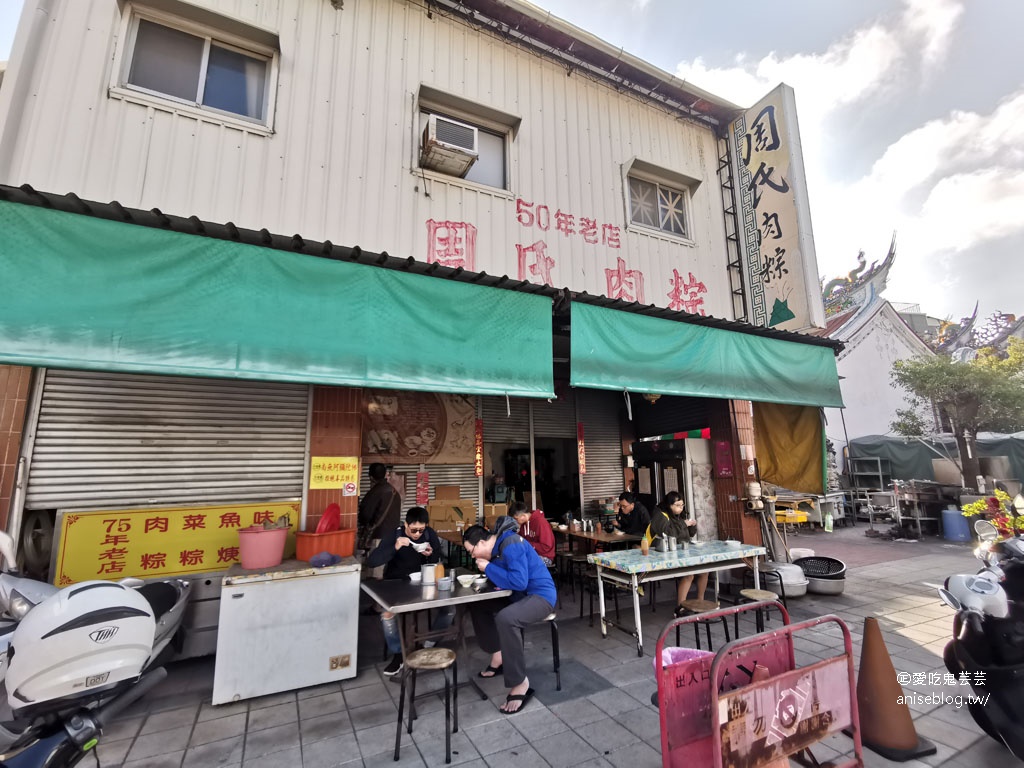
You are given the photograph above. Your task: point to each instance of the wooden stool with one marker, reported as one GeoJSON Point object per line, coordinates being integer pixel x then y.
{"type": "Point", "coordinates": [692, 607]}
{"type": "Point", "coordinates": [551, 619]}
{"type": "Point", "coordinates": [753, 596]}
{"type": "Point", "coordinates": [431, 660]}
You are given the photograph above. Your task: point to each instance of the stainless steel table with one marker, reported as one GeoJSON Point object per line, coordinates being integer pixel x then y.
{"type": "Point", "coordinates": [402, 598]}
{"type": "Point", "coordinates": [631, 568]}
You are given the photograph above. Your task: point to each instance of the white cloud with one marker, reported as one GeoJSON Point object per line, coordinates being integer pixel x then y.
{"type": "Point", "coordinates": [947, 185]}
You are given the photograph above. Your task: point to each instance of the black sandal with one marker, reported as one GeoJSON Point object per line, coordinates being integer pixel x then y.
{"type": "Point", "coordinates": [494, 671]}
{"type": "Point", "coordinates": [523, 697]}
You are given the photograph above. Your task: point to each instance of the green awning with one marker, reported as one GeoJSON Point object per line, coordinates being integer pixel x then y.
{"type": "Point", "coordinates": [619, 350]}
{"type": "Point", "coordinates": [84, 292]}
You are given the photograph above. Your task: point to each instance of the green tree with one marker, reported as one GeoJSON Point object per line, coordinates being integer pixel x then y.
{"type": "Point", "coordinates": [986, 394]}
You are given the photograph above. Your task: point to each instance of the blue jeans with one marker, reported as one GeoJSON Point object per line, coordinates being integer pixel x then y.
{"type": "Point", "coordinates": [389, 623]}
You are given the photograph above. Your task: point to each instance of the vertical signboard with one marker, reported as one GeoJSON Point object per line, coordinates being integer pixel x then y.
{"type": "Point", "coordinates": [422, 488]}
{"type": "Point", "coordinates": [780, 265]}
{"type": "Point", "coordinates": [581, 453]}
{"type": "Point", "coordinates": [478, 459]}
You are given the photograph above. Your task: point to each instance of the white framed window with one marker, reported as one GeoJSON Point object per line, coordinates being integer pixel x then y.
{"type": "Point", "coordinates": [659, 199]}
{"type": "Point", "coordinates": [198, 67]}
{"type": "Point", "coordinates": [461, 139]}
{"type": "Point", "coordinates": [659, 206]}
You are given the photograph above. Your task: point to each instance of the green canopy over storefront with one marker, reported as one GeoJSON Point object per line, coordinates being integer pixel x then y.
{"type": "Point", "coordinates": [91, 293]}
{"type": "Point", "coordinates": [618, 350]}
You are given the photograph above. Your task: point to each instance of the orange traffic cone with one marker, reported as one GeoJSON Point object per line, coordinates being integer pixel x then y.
{"type": "Point", "coordinates": [886, 725]}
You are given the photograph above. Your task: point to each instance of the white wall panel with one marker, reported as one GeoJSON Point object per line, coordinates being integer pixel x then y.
{"type": "Point", "coordinates": [339, 163]}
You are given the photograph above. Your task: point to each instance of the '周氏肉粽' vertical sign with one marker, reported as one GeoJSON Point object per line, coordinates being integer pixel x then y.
{"type": "Point", "coordinates": [780, 266]}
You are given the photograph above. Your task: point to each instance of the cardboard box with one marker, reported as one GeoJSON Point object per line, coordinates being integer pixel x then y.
{"type": "Point", "coordinates": [447, 513]}
{"type": "Point", "coordinates": [446, 492]}
{"type": "Point", "coordinates": [493, 513]}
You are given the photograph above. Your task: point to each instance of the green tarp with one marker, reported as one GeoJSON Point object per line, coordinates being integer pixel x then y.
{"type": "Point", "coordinates": [83, 292]}
{"type": "Point", "coordinates": [625, 351]}
{"type": "Point", "coordinates": [911, 459]}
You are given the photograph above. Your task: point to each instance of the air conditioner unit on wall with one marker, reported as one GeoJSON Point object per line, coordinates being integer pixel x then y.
{"type": "Point", "coordinates": [448, 146]}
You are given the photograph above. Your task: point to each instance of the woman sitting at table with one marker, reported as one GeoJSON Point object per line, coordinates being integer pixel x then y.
{"type": "Point", "coordinates": [402, 551]}
{"type": "Point", "coordinates": [668, 520]}
{"type": "Point", "coordinates": [536, 529]}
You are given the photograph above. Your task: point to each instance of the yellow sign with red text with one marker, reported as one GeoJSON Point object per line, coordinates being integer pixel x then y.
{"type": "Point", "coordinates": [166, 541]}
{"type": "Point", "coordinates": [335, 472]}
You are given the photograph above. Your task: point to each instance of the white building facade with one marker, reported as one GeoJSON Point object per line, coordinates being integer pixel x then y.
{"type": "Point", "coordinates": [307, 116]}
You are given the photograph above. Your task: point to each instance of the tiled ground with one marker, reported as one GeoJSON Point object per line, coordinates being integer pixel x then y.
{"type": "Point", "coordinates": [353, 723]}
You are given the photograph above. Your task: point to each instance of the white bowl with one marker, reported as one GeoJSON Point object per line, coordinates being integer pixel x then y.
{"type": "Point", "coordinates": [466, 579]}
{"type": "Point", "coordinates": [420, 546]}
{"type": "Point", "coordinates": [619, 533]}
{"type": "Point", "coordinates": [416, 578]}
{"type": "Point", "coordinates": [479, 581]}
{"type": "Point", "coordinates": [733, 544]}
{"type": "Point", "coordinates": [563, 527]}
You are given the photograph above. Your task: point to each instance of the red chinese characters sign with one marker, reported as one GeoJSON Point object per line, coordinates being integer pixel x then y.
{"type": "Point", "coordinates": [451, 244]}
{"type": "Point", "coordinates": [478, 460]}
{"type": "Point", "coordinates": [114, 544]}
{"type": "Point", "coordinates": [581, 452]}
{"type": "Point", "coordinates": [422, 488]}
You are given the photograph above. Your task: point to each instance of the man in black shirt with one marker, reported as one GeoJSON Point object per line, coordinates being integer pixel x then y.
{"type": "Point", "coordinates": [633, 517]}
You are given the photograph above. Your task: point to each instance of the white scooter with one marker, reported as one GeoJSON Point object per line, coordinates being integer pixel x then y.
{"type": "Point", "coordinates": [76, 656]}
{"type": "Point", "coordinates": [18, 596]}
{"type": "Point", "coordinates": [988, 636]}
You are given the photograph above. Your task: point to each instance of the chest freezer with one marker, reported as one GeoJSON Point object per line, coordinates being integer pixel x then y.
{"type": "Point", "coordinates": [286, 627]}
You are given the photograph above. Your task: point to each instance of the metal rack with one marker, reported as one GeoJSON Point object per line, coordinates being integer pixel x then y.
{"type": "Point", "coordinates": [870, 475]}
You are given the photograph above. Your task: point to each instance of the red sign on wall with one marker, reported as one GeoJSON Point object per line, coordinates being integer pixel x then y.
{"type": "Point", "coordinates": [479, 452]}
{"type": "Point", "coordinates": [723, 458]}
{"type": "Point", "coordinates": [422, 488]}
{"type": "Point", "coordinates": [581, 453]}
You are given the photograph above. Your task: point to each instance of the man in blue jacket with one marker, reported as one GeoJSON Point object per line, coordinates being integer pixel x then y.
{"type": "Point", "coordinates": [509, 562]}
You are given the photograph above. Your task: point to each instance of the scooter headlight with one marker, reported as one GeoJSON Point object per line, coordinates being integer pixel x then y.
{"type": "Point", "coordinates": [18, 606]}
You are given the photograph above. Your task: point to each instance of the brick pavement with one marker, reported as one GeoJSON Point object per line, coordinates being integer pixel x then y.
{"type": "Point", "coordinates": [353, 723]}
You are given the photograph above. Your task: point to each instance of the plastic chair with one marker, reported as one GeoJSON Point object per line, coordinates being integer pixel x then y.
{"type": "Point", "coordinates": [431, 660]}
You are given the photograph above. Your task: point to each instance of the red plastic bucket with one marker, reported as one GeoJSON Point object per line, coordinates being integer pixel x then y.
{"type": "Point", "coordinates": [260, 547]}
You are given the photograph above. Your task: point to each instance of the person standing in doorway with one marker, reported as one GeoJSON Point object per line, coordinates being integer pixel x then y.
{"type": "Point", "coordinates": [380, 510]}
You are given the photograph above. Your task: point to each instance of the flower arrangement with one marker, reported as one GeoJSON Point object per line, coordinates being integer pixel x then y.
{"type": "Point", "coordinates": [998, 510]}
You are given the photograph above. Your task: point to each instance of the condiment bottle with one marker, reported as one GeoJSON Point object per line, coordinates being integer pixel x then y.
{"type": "Point", "coordinates": [645, 546]}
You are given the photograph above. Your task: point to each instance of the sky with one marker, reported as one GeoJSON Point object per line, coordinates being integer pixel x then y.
{"type": "Point", "coordinates": [911, 117]}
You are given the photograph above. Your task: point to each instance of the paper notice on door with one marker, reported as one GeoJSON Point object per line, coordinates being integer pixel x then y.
{"type": "Point", "coordinates": [643, 476]}
{"type": "Point", "coordinates": [671, 480]}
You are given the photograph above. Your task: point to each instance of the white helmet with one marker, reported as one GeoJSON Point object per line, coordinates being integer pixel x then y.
{"type": "Point", "coordinates": [84, 639]}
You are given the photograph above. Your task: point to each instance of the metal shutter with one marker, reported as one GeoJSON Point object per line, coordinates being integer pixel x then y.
{"type": "Point", "coordinates": [555, 418]}
{"type": "Point", "coordinates": [499, 426]}
{"type": "Point", "coordinates": [462, 475]}
{"type": "Point", "coordinates": [111, 439]}
{"type": "Point", "coordinates": [599, 412]}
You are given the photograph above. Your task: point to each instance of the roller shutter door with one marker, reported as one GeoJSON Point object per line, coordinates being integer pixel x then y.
{"type": "Point", "coordinates": [599, 412]}
{"type": "Point", "coordinates": [501, 426]}
{"type": "Point", "coordinates": [108, 439]}
{"type": "Point", "coordinates": [556, 418]}
{"type": "Point", "coordinates": [462, 475]}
